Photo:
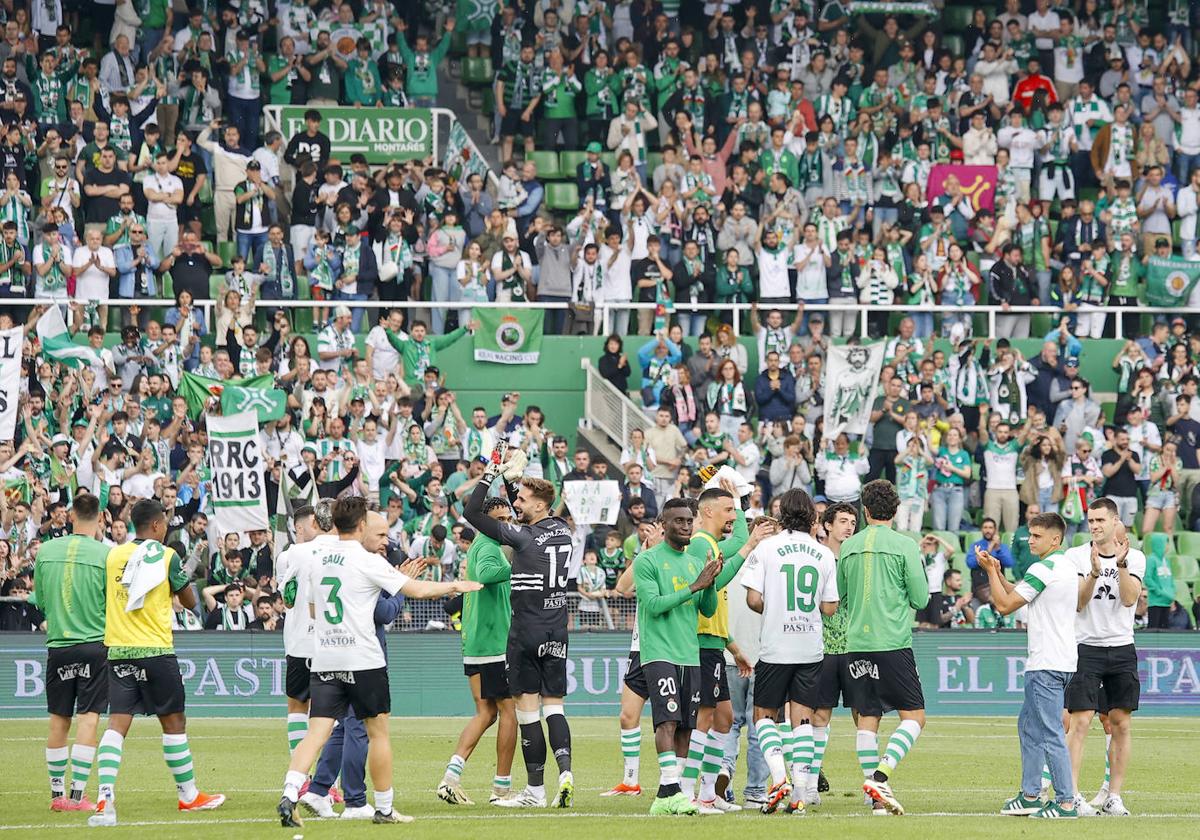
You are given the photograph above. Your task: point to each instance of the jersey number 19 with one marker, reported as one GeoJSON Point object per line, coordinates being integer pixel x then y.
{"type": "Point", "coordinates": [801, 586]}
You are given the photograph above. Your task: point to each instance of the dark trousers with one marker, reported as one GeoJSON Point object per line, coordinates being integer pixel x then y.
{"type": "Point", "coordinates": [345, 754]}
{"type": "Point", "coordinates": [883, 463]}
{"type": "Point", "coordinates": [555, 318]}
{"type": "Point", "coordinates": [245, 113]}
{"type": "Point", "coordinates": [1158, 618]}
{"type": "Point", "coordinates": [551, 129]}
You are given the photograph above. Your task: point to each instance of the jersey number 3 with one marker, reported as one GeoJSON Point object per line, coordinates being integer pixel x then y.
{"type": "Point", "coordinates": [333, 609]}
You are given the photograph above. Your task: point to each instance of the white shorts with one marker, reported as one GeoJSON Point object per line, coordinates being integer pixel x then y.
{"type": "Point", "coordinates": [483, 36]}
{"type": "Point", "coordinates": [301, 236]}
{"type": "Point", "coordinates": [1056, 181]}
{"type": "Point", "coordinates": [91, 289]}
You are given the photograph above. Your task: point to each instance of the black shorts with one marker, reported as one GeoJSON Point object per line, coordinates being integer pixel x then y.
{"type": "Point", "coordinates": [635, 677]}
{"type": "Point", "coordinates": [145, 686]}
{"type": "Point", "coordinates": [1105, 678]}
{"type": "Point", "coordinates": [833, 685]}
{"type": "Point", "coordinates": [537, 664]}
{"type": "Point", "coordinates": [511, 124]}
{"type": "Point", "coordinates": [674, 693]}
{"type": "Point", "coordinates": [883, 680]}
{"type": "Point", "coordinates": [299, 675]}
{"type": "Point", "coordinates": [366, 692]}
{"type": "Point", "coordinates": [714, 685]}
{"type": "Point", "coordinates": [776, 684]}
{"type": "Point", "coordinates": [77, 679]}
{"type": "Point", "coordinates": [493, 679]}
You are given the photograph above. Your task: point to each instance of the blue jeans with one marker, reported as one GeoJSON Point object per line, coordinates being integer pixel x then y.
{"type": "Point", "coordinates": [345, 753]}
{"type": "Point", "coordinates": [356, 312]}
{"type": "Point", "coordinates": [741, 692]}
{"type": "Point", "coordinates": [1184, 164]}
{"type": "Point", "coordinates": [923, 322]}
{"type": "Point", "coordinates": [804, 323]}
{"type": "Point", "coordinates": [946, 501]}
{"type": "Point", "coordinates": [250, 248]}
{"type": "Point", "coordinates": [692, 323]}
{"type": "Point", "coordinates": [1045, 500]}
{"type": "Point", "coordinates": [948, 321]}
{"type": "Point", "coordinates": [442, 289]}
{"type": "Point", "coordinates": [556, 319]}
{"type": "Point", "coordinates": [1040, 729]}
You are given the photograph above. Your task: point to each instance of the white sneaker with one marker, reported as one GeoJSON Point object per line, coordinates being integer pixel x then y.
{"type": "Point", "coordinates": [452, 794]}
{"type": "Point", "coordinates": [707, 809]}
{"type": "Point", "coordinates": [501, 793]}
{"type": "Point", "coordinates": [525, 799]}
{"type": "Point", "coordinates": [359, 812]}
{"type": "Point", "coordinates": [811, 797]}
{"type": "Point", "coordinates": [320, 806]}
{"type": "Point", "coordinates": [1083, 808]}
{"type": "Point", "coordinates": [105, 816]}
{"type": "Point", "coordinates": [1114, 807]}
{"type": "Point", "coordinates": [1100, 798]}
{"type": "Point", "coordinates": [726, 807]}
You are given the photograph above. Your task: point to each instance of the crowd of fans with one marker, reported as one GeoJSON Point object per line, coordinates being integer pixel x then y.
{"type": "Point", "coordinates": [728, 153]}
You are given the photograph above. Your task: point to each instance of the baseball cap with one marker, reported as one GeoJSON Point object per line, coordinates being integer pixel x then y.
{"type": "Point", "coordinates": [60, 438]}
{"type": "Point", "coordinates": [816, 316]}
{"type": "Point", "coordinates": [1178, 320]}
{"type": "Point", "coordinates": [352, 231]}
{"type": "Point", "coordinates": [593, 148]}
{"type": "Point", "coordinates": [253, 164]}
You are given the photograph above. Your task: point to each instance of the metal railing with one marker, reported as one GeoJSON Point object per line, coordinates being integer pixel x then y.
{"type": "Point", "coordinates": [606, 310]}
{"type": "Point", "coordinates": [607, 409]}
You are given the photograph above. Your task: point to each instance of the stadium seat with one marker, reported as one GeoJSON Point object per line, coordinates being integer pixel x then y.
{"type": "Point", "coordinates": [1183, 594]}
{"type": "Point", "coordinates": [1080, 538]}
{"type": "Point", "coordinates": [563, 196]}
{"type": "Point", "coordinates": [653, 161]}
{"type": "Point", "coordinates": [915, 536]}
{"type": "Point", "coordinates": [569, 162]}
{"type": "Point", "coordinates": [952, 538]}
{"type": "Point", "coordinates": [957, 18]}
{"type": "Point", "coordinates": [167, 285]}
{"type": "Point", "coordinates": [953, 43]}
{"type": "Point", "coordinates": [1188, 542]}
{"type": "Point", "coordinates": [610, 159]}
{"type": "Point", "coordinates": [477, 71]}
{"type": "Point", "coordinates": [214, 285]}
{"type": "Point", "coordinates": [205, 196]}
{"type": "Point", "coordinates": [226, 251]}
{"type": "Point", "coordinates": [1185, 567]}
{"type": "Point", "coordinates": [547, 165]}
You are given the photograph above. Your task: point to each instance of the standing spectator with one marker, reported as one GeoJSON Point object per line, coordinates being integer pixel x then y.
{"type": "Point", "coordinates": [421, 64]}
{"type": "Point", "coordinates": [1008, 285]}
{"type": "Point", "coordinates": [887, 417]}
{"type": "Point", "coordinates": [312, 143]}
{"type": "Point", "coordinates": [989, 541]}
{"type": "Point", "coordinates": [841, 467]}
{"type": "Point", "coordinates": [1121, 467]}
{"type": "Point", "coordinates": [117, 67]}
{"type": "Point", "coordinates": [244, 100]}
{"type": "Point", "coordinates": [229, 170]}
{"type": "Point", "coordinates": [518, 93]}
{"type": "Point", "coordinates": [953, 471]}
{"type": "Point", "coordinates": [1001, 501]}
{"type": "Point", "coordinates": [775, 392]}
{"type": "Point", "coordinates": [94, 267]}
{"type": "Point", "coordinates": [164, 193]}
{"type": "Point", "coordinates": [1076, 414]}
{"type": "Point", "coordinates": [1156, 209]}
{"type": "Point", "coordinates": [669, 448]}
{"type": "Point", "coordinates": [252, 219]}
{"type": "Point", "coordinates": [103, 187]}
{"type": "Point", "coordinates": [327, 69]}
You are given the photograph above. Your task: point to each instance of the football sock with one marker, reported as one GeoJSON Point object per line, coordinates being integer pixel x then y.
{"type": "Point", "coordinates": [788, 739]}
{"type": "Point", "coordinates": [867, 744]}
{"type": "Point", "coordinates": [898, 745]}
{"type": "Point", "coordinates": [454, 769]}
{"type": "Point", "coordinates": [108, 762]}
{"type": "Point", "coordinates": [179, 758]}
{"type": "Point", "coordinates": [631, 751]}
{"type": "Point", "coordinates": [502, 783]}
{"type": "Point", "coordinates": [383, 801]}
{"type": "Point", "coordinates": [1107, 756]}
{"type": "Point", "coordinates": [772, 749]}
{"type": "Point", "coordinates": [668, 774]}
{"type": "Point", "coordinates": [56, 764]}
{"type": "Point", "coordinates": [691, 770]}
{"type": "Point", "coordinates": [820, 739]}
{"type": "Point", "coordinates": [297, 728]}
{"type": "Point", "coordinates": [714, 751]}
{"type": "Point", "coordinates": [81, 767]}
{"type": "Point", "coordinates": [533, 747]}
{"type": "Point", "coordinates": [1047, 779]}
{"type": "Point", "coordinates": [560, 736]}
{"type": "Point", "coordinates": [292, 782]}
{"type": "Point", "coordinates": [802, 756]}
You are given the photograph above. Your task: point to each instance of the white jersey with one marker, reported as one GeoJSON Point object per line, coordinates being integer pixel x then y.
{"type": "Point", "coordinates": [795, 574]}
{"type": "Point", "coordinates": [1051, 589]}
{"type": "Point", "coordinates": [346, 580]}
{"type": "Point", "coordinates": [292, 567]}
{"type": "Point", "coordinates": [1105, 622]}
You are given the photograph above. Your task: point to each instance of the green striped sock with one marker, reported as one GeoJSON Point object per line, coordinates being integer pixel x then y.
{"type": "Point", "coordinates": [502, 783]}
{"type": "Point", "coordinates": [297, 728]}
{"type": "Point", "coordinates": [668, 769]}
{"type": "Point", "coordinates": [691, 770]}
{"type": "Point", "coordinates": [867, 744]}
{"type": "Point", "coordinates": [771, 745]}
{"type": "Point", "coordinates": [820, 740]}
{"type": "Point", "coordinates": [454, 769]}
{"type": "Point", "coordinates": [714, 751]}
{"type": "Point", "coordinates": [631, 753]}
{"type": "Point", "coordinates": [56, 765]}
{"type": "Point", "coordinates": [788, 739]}
{"type": "Point", "coordinates": [82, 757]}
{"type": "Point", "coordinates": [802, 756]}
{"type": "Point", "coordinates": [900, 743]}
{"type": "Point", "coordinates": [178, 757]}
{"type": "Point", "coordinates": [1047, 779]}
{"type": "Point", "coordinates": [1107, 756]}
{"type": "Point", "coordinates": [108, 762]}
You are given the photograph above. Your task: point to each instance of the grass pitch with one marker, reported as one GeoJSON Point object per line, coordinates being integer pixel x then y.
{"type": "Point", "coordinates": [952, 784]}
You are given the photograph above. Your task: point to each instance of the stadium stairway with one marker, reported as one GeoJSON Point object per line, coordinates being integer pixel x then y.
{"type": "Point", "coordinates": [468, 105]}
{"type": "Point", "coordinates": [599, 447]}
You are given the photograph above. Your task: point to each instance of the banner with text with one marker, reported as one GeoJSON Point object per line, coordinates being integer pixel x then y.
{"type": "Point", "coordinates": [382, 135]}
{"type": "Point", "coordinates": [235, 458]}
{"type": "Point", "coordinates": [11, 342]}
{"type": "Point", "coordinates": [509, 337]}
{"type": "Point", "coordinates": [963, 672]}
{"type": "Point", "coordinates": [593, 502]}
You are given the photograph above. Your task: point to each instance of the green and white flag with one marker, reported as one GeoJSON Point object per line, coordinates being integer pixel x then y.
{"type": "Point", "coordinates": [268, 402]}
{"type": "Point", "coordinates": [57, 343]}
{"type": "Point", "coordinates": [1169, 282]}
{"type": "Point", "coordinates": [509, 336]}
{"type": "Point", "coordinates": [892, 7]}
{"type": "Point", "coordinates": [198, 390]}
{"type": "Point", "coordinates": [239, 489]}
{"type": "Point", "coordinates": [462, 159]}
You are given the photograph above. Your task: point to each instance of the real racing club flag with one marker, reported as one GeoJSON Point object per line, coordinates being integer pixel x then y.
{"type": "Point", "coordinates": [509, 336]}
{"type": "Point", "coordinates": [57, 343]}
{"type": "Point", "coordinates": [1170, 281]}
{"type": "Point", "coordinates": [198, 390]}
{"type": "Point", "coordinates": [268, 402]}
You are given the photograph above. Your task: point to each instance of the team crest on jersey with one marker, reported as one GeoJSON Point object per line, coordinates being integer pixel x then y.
{"type": "Point", "coordinates": [864, 668]}
{"type": "Point", "coordinates": [672, 706]}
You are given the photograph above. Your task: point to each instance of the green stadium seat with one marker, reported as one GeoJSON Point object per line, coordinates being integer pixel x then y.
{"type": "Point", "coordinates": [1183, 594]}
{"type": "Point", "coordinates": [477, 72]}
{"type": "Point", "coordinates": [167, 286]}
{"type": "Point", "coordinates": [488, 106]}
{"type": "Point", "coordinates": [214, 285]}
{"type": "Point", "coordinates": [610, 159]}
{"type": "Point", "coordinates": [547, 165]}
{"type": "Point", "coordinates": [208, 220]}
{"type": "Point", "coordinates": [952, 538]}
{"type": "Point", "coordinates": [953, 43]}
{"type": "Point", "coordinates": [957, 18]}
{"type": "Point", "coordinates": [1080, 538]}
{"type": "Point", "coordinates": [653, 161]}
{"type": "Point", "coordinates": [458, 42]}
{"type": "Point", "coordinates": [971, 537]}
{"type": "Point", "coordinates": [1188, 542]}
{"type": "Point", "coordinates": [564, 196]}
{"type": "Point", "coordinates": [1186, 568]}
{"type": "Point", "coordinates": [205, 196]}
{"type": "Point", "coordinates": [569, 162]}
{"type": "Point", "coordinates": [226, 251]}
